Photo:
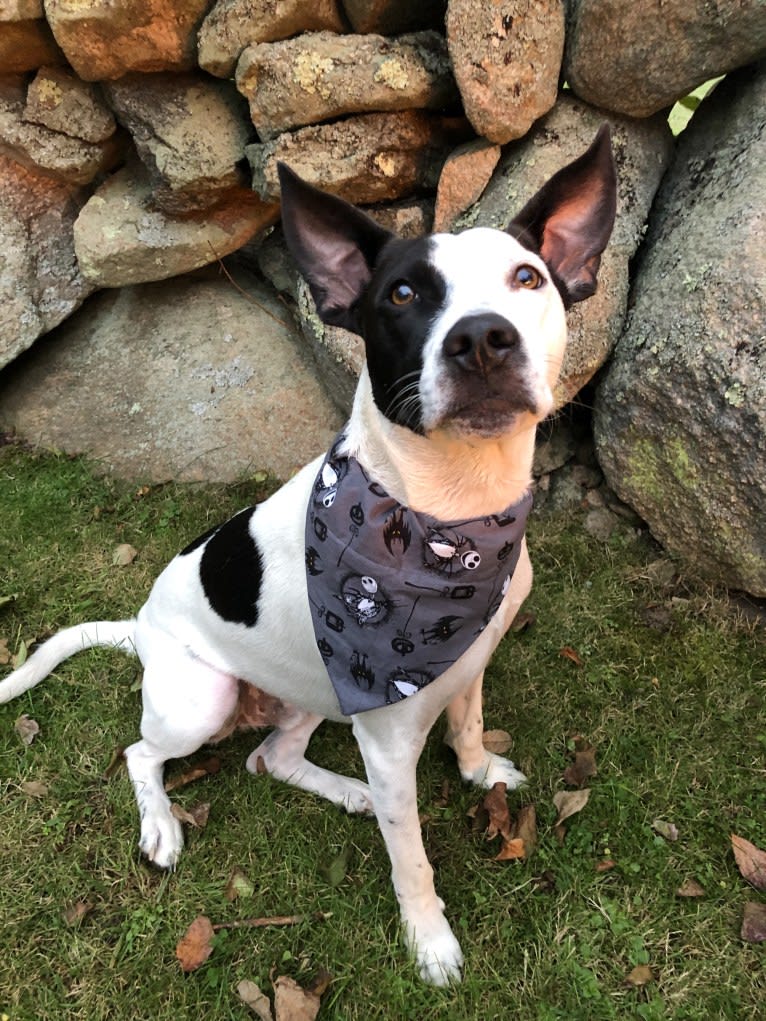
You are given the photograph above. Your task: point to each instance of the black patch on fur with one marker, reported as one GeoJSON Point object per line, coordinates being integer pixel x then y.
{"type": "Point", "coordinates": [395, 334]}
{"type": "Point", "coordinates": [231, 570]}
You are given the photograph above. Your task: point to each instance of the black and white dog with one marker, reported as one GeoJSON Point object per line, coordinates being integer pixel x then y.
{"type": "Point", "coordinates": [374, 586]}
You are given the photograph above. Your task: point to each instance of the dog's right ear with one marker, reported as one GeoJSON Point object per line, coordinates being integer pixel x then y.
{"type": "Point", "coordinates": [334, 244]}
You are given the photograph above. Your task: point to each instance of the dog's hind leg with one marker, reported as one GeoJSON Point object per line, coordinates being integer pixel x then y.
{"type": "Point", "coordinates": [185, 702]}
{"type": "Point", "coordinates": [465, 729]}
{"type": "Point", "coordinates": [282, 755]}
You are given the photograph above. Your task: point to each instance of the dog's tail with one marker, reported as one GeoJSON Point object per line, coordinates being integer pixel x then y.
{"type": "Point", "coordinates": [118, 633]}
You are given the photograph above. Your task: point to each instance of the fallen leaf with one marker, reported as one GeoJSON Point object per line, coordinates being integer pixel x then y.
{"type": "Point", "coordinates": [21, 655]}
{"type": "Point", "coordinates": [751, 861]}
{"type": "Point", "coordinates": [569, 803]}
{"type": "Point", "coordinates": [292, 1002]}
{"type": "Point", "coordinates": [238, 886]}
{"type": "Point", "coordinates": [443, 800]}
{"type": "Point", "coordinates": [497, 741]}
{"type": "Point", "coordinates": [253, 998]}
{"type": "Point", "coordinates": [196, 945]}
{"type": "Point", "coordinates": [124, 555]}
{"type": "Point", "coordinates": [606, 865]}
{"type": "Point", "coordinates": [75, 912]}
{"type": "Point", "coordinates": [5, 652]}
{"type": "Point", "coordinates": [583, 767]}
{"type": "Point", "coordinates": [496, 804]}
{"type": "Point", "coordinates": [34, 788]}
{"type": "Point", "coordinates": [525, 828]}
{"type": "Point", "coordinates": [754, 923]}
{"type": "Point", "coordinates": [115, 764]}
{"type": "Point", "coordinates": [208, 767]}
{"type": "Point", "coordinates": [640, 976]}
{"type": "Point", "coordinates": [196, 816]}
{"type": "Point", "coordinates": [321, 983]}
{"type": "Point", "coordinates": [12, 597]}
{"type": "Point", "coordinates": [335, 872]}
{"type": "Point", "coordinates": [26, 728]}
{"type": "Point", "coordinates": [512, 850]}
{"type": "Point", "coordinates": [571, 654]}
{"type": "Point", "coordinates": [690, 888]}
{"type": "Point", "coordinates": [523, 621]}
{"type": "Point", "coordinates": [665, 829]}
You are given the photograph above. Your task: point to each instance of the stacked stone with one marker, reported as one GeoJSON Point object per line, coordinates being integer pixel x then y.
{"type": "Point", "coordinates": [139, 141]}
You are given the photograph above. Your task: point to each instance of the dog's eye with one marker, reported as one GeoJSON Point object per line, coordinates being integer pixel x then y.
{"type": "Point", "coordinates": [528, 277]}
{"type": "Point", "coordinates": [402, 293]}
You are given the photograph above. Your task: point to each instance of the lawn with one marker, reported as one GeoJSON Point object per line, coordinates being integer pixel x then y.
{"type": "Point", "coordinates": [665, 678]}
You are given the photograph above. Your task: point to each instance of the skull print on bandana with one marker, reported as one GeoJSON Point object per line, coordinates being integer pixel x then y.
{"type": "Point", "coordinates": [396, 597]}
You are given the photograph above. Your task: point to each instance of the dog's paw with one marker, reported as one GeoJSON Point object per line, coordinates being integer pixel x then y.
{"type": "Point", "coordinates": [161, 840]}
{"type": "Point", "coordinates": [357, 798]}
{"type": "Point", "coordinates": [495, 769]}
{"type": "Point", "coordinates": [436, 950]}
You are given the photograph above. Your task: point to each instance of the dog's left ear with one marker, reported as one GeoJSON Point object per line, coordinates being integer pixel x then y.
{"type": "Point", "coordinates": [570, 219]}
{"type": "Point", "coordinates": [334, 244]}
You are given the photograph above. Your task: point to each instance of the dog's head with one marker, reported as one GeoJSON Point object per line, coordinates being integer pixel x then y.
{"type": "Point", "coordinates": [465, 332]}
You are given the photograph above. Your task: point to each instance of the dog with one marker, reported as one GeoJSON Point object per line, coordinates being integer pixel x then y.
{"type": "Point", "coordinates": [373, 587]}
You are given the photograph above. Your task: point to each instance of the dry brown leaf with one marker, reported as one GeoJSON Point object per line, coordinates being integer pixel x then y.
{"type": "Point", "coordinates": [668, 830]}
{"type": "Point", "coordinates": [497, 741]}
{"type": "Point", "coordinates": [238, 886]}
{"type": "Point", "coordinates": [751, 861]}
{"type": "Point", "coordinates": [571, 654]}
{"type": "Point", "coordinates": [754, 923]}
{"type": "Point", "coordinates": [115, 764]}
{"type": "Point", "coordinates": [569, 803]}
{"type": "Point", "coordinates": [640, 976]}
{"type": "Point", "coordinates": [208, 767]}
{"type": "Point", "coordinates": [26, 728]}
{"type": "Point", "coordinates": [5, 652]}
{"type": "Point", "coordinates": [496, 803]}
{"type": "Point", "coordinates": [34, 788]}
{"type": "Point", "coordinates": [74, 913]}
{"type": "Point", "coordinates": [583, 767]}
{"type": "Point", "coordinates": [253, 998]}
{"type": "Point", "coordinates": [606, 865]}
{"type": "Point", "coordinates": [292, 1002]}
{"type": "Point", "coordinates": [523, 621]}
{"type": "Point", "coordinates": [196, 945]}
{"type": "Point", "coordinates": [690, 888]}
{"type": "Point", "coordinates": [196, 816]}
{"type": "Point", "coordinates": [124, 555]}
{"type": "Point", "coordinates": [321, 983]}
{"type": "Point", "coordinates": [512, 850]}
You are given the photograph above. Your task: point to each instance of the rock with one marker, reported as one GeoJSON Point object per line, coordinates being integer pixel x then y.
{"type": "Point", "coordinates": [681, 413]}
{"type": "Point", "coordinates": [40, 281]}
{"type": "Point", "coordinates": [506, 60]}
{"type": "Point", "coordinates": [411, 218]}
{"type": "Point", "coordinates": [639, 58]}
{"type": "Point", "coordinates": [601, 523]}
{"type": "Point", "coordinates": [187, 379]}
{"type": "Point", "coordinates": [122, 238]}
{"type": "Point", "coordinates": [464, 177]}
{"type": "Point", "coordinates": [103, 39]}
{"type": "Point", "coordinates": [393, 17]}
{"type": "Point", "coordinates": [232, 25]}
{"type": "Point", "coordinates": [322, 76]}
{"type": "Point", "coordinates": [189, 131]}
{"type": "Point", "coordinates": [642, 150]}
{"type": "Point", "coordinates": [26, 43]}
{"type": "Point", "coordinates": [339, 353]}
{"type": "Point", "coordinates": [60, 101]}
{"type": "Point", "coordinates": [555, 445]}
{"type": "Point", "coordinates": [71, 159]}
{"type": "Point", "coordinates": [368, 158]}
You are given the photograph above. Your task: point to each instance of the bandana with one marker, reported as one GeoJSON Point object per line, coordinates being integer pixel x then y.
{"type": "Point", "coordinates": [397, 597]}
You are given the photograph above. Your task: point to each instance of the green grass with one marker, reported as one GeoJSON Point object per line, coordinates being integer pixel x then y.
{"type": "Point", "coordinates": [677, 715]}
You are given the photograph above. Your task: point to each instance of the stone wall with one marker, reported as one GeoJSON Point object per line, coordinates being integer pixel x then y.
{"type": "Point", "coordinates": [138, 145]}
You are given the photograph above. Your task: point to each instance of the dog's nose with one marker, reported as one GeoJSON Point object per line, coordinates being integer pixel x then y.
{"type": "Point", "coordinates": [480, 343]}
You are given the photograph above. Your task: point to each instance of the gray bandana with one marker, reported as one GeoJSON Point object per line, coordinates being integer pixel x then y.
{"type": "Point", "coordinates": [397, 597]}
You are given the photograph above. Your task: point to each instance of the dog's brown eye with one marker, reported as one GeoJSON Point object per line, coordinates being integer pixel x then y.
{"type": "Point", "coordinates": [402, 293]}
{"type": "Point", "coordinates": [528, 276]}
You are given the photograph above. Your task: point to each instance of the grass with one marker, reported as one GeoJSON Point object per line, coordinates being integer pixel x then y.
{"type": "Point", "coordinates": [672, 692]}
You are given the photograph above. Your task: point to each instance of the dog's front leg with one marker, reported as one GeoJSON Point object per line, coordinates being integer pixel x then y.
{"type": "Point", "coordinates": [391, 757]}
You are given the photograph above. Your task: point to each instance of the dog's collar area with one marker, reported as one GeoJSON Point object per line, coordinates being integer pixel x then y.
{"type": "Point", "coordinates": [396, 596]}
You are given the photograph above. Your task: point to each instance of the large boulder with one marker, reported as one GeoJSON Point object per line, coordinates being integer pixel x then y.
{"type": "Point", "coordinates": [506, 59]}
{"type": "Point", "coordinates": [57, 99]}
{"type": "Point", "coordinates": [392, 17]}
{"type": "Point", "coordinates": [642, 151]}
{"type": "Point", "coordinates": [681, 414]}
{"type": "Point", "coordinates": [640, 57]}
{"type": "Point", "coordinates": [40, 280]}
{"type": "Point", "coordinates": [26, 41]}
{"type": "Point", "coordinates": [189, 379]}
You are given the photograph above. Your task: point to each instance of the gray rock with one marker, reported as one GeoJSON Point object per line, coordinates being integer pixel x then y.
{"type": "Point", "coordinates": [188, 379]}
{"type": "Point", "coordinates": [320, 76]}
{"type": "Point", "coordinates": [371, 157]}
{"type": "Point", "coordinates": [642, 150]}
{"type": "Point", "coordinates": [189, 131]}
{"type": "Point", "coordinates": [232, 25]}
{"type": "Point", "coordinates": [638, 58]}
{"type": "Point", "coordinates": [58, 100]}
{"type": "Point", "coordinates": [122, 238]}
{"type": "Point", "coordinates": [681, 414]}
{"type": "Point", "coordinates": [506, 59]}
{"type": "Point", "coordinates": [392, 17]}
{"type": "Point", "coordinates": [104, 40]}
{"type": "Point", "coordinates": [40, 281]}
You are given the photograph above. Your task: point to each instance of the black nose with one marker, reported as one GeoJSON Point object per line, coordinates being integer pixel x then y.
{"type": "Point", "coordinates": [480, 343]}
